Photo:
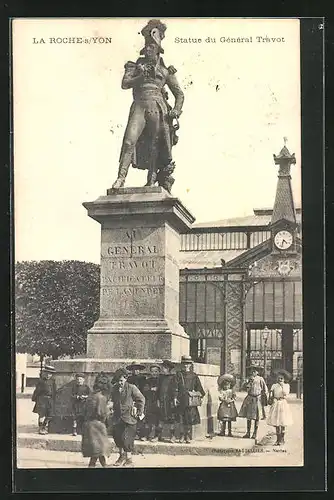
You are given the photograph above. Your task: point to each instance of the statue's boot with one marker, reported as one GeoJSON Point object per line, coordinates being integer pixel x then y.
{"type": "Point", "coordinates": [122, 173]}
{"type": "Point", "coordinates": [151, 178]}
{"type": "Point", "coordinates": [123, 169]}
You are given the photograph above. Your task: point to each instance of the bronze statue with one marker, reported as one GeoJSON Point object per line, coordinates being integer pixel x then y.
{"type": "Point", "coordinates": [151, 130]}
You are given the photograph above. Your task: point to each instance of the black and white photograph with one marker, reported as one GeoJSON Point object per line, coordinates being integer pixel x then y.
{"type": "Point", "coordinates": [158, 242]}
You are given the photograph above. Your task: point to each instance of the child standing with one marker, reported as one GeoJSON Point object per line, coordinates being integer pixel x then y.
{"type": "Point", "coordinates": [227, 412]}
{"type": "Point", "coordinates": [152, 410]}
{"type": "Point", "coordinates": [279, 413]}
{"type": "Point", "coordinates": [44, 397]}
{"type": "Point", "coordinates": [251, 408]}
{"type": "Point", "coordinates": [80, 393]}
{"type": "Point", "coordinates": [95, 443]}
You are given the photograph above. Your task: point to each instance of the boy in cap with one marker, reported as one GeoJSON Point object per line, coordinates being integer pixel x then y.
{"type": "Point", "coordinates": [44, 397]}
{"type": "Point", "coordinates": [80, 393]}
{"type": "Point", "coordinates": [128, 406]}
{"type": "Point", "coordinates": [138, 379]}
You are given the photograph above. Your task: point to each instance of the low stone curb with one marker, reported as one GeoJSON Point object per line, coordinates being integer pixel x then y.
{"type": "Point", "coordinates": [232, 446]}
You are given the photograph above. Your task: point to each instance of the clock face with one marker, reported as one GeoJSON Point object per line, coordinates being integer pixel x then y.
{"type": "Point", "coordinates": [283, 240]}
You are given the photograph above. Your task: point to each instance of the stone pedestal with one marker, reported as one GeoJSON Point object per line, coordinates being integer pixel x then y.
{"type": "Point", "coordinates": [208, 375]}
{"type": "Point", "coordinates": [139, 295]}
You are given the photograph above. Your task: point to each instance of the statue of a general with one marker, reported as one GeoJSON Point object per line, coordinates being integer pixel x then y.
{"type": "Point", "coordinates": [151, 130]}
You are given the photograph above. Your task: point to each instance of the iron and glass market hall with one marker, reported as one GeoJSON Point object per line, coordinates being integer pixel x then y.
{"type": "Point", "coordinates": [241, 286]}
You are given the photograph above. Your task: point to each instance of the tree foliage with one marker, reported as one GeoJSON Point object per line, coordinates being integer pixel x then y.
{"type": "Point", "coordinates": [55, 304]}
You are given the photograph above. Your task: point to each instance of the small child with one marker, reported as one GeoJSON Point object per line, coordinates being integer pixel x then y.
{"type": "Point", "coordinates": [80, 393]}
{"type": "Point", "coordinates": [279, 413]}
{"type": "Point", "coordinates": [44, 397]}
{"type": "Point", "coordinates": [227, 412]}
{"type": "Point", "coordinates": [251, 408]}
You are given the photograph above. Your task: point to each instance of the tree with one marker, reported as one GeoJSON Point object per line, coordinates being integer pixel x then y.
{"type": "Point", "coordinates": [55, 304]}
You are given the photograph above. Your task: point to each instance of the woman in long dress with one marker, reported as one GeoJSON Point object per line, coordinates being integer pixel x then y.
{"type": "Point", "coordinates": [95, 443]}
{"type": "Point", "coordinates": [279, 413]}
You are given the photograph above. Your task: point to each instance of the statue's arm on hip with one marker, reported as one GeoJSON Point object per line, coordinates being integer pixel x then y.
{"type": "Point", "coordinates": [173, 85]}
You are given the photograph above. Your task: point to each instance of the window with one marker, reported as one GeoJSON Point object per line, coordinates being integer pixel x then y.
{"type": "Point", "coordinates": [214, 241]}
{"type": "Point", "coordinates": [197, 350]}
{"type": "Point", "coordinates": [259, 237]}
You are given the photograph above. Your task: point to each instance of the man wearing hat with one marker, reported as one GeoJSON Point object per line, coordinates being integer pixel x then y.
{"type": "Point", "coordinates": [128, 406]}
{"type": "Point", "coordinates": [80, 393]}
{"type": "Point", "coordinates": [44, 398]}
{"type": "Point", "coordinates": [152, 411]}
{"type": "Point", "coordinates": [148, 138]}
{"type": "Point", "coordinates": [187, 386]}
{"type": "Point", "coordinates": [165, 398]}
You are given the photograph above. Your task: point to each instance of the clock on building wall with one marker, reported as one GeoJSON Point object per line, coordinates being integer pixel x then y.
{"type": "Point", "coordinates": [283, 240]}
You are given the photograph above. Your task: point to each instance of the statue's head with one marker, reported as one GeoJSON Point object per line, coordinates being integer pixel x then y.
{"type": "Point", "coordinates": [153, 33]}
{"type": "Point", "coordinates": [151, 51]}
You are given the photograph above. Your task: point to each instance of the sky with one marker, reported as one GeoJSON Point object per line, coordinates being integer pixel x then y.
{"type": "Point", "coordinates": [70, 114]}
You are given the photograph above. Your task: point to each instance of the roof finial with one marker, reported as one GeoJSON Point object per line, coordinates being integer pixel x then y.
{"type": "Point", "coordinates": [285, 139]}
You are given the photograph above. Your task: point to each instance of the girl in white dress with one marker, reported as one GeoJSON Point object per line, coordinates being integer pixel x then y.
{"type": "Point", "coordinates": [279, 413]}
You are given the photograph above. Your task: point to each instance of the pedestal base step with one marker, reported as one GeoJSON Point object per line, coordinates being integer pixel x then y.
{"type": "Point", "coordinates": [214, 446]}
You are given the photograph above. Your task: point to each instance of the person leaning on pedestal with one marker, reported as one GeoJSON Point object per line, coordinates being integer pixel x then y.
{"type": "Point", "coordinates": [188, 395]}
{"type": "Point", "coordinates": [128, 405]}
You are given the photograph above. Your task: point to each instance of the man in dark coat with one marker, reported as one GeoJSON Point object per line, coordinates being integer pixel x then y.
{"type": "Point", "coordinates": [80, 393]}
{"type": "Point", "coordinates": [165, 399]}
{"type": "Point", "coordinates": [187, 382]}
{"type": "Point", "coordinates": [151, 397]}
{"type": "Point", "coordinates": [128, 405]}
{"type": "Point", "coordinates": [44, 398]}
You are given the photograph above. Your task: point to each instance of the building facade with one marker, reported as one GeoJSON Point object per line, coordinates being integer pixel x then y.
{"type": "Point", "coordinates": [241, 286]}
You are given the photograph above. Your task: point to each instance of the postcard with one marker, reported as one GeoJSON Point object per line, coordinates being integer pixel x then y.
{"type": "Point", "coordinates": [158, 242]}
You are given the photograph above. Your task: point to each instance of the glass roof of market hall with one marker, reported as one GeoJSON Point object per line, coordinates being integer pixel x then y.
{"type": "Point", "coordinates": [209, 242]}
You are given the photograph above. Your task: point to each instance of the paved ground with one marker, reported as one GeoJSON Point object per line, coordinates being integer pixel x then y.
{"type": "Point", "coordinates": [260, 456]}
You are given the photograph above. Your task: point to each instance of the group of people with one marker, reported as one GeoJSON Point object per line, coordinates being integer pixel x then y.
{"type": "Point", "coordinates": [143, 406]}
{"type": "Point", "coordinates": [253, 406]}
{"type": "Point", "coordinates": [137, 406]}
